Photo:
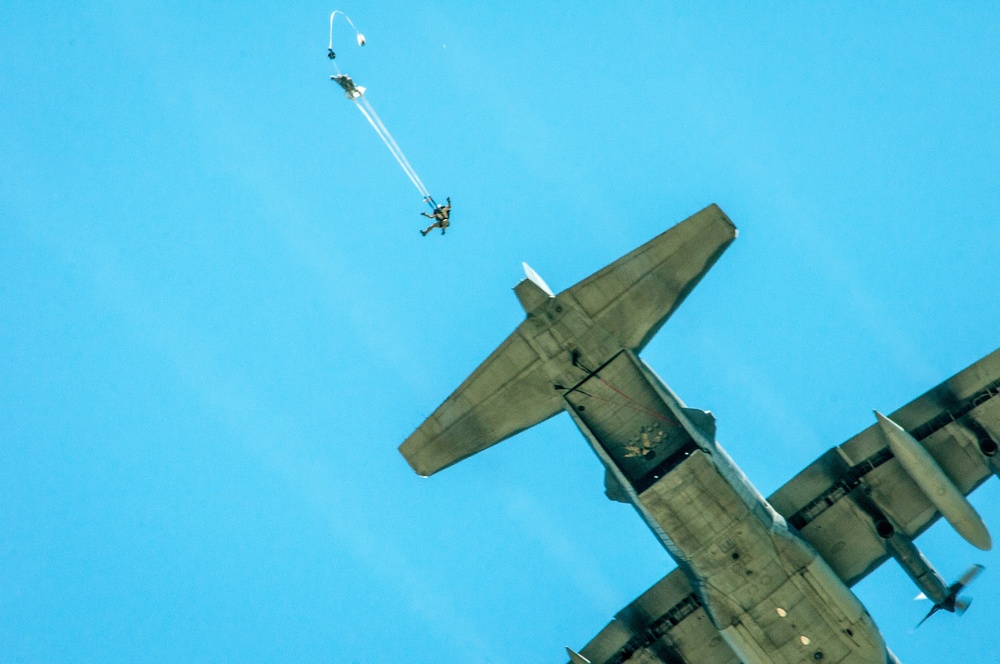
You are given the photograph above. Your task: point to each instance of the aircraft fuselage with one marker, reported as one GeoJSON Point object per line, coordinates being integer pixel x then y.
{"type": "Point", "coordinates": [749, 587]}
{"type": "Point", "coordinates": [769, 594]}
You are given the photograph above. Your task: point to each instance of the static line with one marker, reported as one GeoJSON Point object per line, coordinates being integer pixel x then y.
{"type": "Point", "coordinates": [386, 137]}
{"type": "Point", "coordinates": [384, 140]}
{"type": "Point", "coordinates": [361, 37]}
{"type": "Point", "coordinates": [399, 151]}
{"type": "Point", "coordinates": [415, 180]}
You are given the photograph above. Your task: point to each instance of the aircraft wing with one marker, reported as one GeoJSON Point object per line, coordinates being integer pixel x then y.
{"type": "Point", "coordinates": [665, 624]}
{"type": "Point", "coordinates": [505, 395]}
{"type": "Point", "coordinates": [950, 421]}
{"type": "Point", "coordinates": [632, 297]}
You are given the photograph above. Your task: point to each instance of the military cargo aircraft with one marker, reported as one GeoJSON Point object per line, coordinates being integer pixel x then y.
{"type": "Point", "coordinates": [759, 581]}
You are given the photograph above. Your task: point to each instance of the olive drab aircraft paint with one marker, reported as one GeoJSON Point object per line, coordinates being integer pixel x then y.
{"type": "Point", "coordinates": [759, 580]}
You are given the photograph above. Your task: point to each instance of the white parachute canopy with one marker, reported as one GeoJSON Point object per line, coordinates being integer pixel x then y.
{"type": "Point", "coordinates": [360, 37]}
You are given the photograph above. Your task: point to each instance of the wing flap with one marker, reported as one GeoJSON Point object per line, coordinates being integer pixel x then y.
{"type": "Point", "coordinates": [665, 624]}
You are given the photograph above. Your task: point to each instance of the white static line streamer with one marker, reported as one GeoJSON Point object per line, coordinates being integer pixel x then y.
{"type": "Point", "coordinates": [397, 151]}
{"type": "Point", "coordinates": [391, 144]}
{"type": "Point", "coordinates": [360, 37]}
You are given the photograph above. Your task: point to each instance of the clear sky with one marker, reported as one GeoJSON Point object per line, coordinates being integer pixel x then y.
{"type": "Point", "coordinates": [218, 320]}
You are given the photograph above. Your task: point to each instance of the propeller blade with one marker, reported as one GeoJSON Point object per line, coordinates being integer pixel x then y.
{"type": "Point", "coordinates": [969, 576]}
{"type": "Point", "coordinates": [954, 603]}
{"type": "Point", "coordinates": [932, 612]}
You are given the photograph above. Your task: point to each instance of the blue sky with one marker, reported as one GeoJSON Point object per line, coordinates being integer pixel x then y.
{"type": "Point", "coordinates": [218, 321]}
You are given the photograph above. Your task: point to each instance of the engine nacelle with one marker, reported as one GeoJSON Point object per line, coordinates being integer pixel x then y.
{"type": "Point", "coordinates": [936, 485]}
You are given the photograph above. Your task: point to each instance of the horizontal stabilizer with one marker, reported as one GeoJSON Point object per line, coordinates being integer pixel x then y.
{"type": "Point", "coordinates": [635, 295]}
{"type": "Point", "coordinates": [621, 306]}
{"type": "Point", "coordinates": [505, 395]}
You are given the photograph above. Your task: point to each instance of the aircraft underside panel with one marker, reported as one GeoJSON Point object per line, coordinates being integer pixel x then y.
{"type": "Point", "coordinates": [767, 593]}
{"type": "Point", "coordinates": [635, 428]}
{"type": "Point", "coordinates": [958, 422]}
{"type": "Point", "coordinates": [667, 624]}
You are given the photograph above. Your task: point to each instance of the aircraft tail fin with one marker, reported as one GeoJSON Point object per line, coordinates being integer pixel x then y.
{"type": "Point", "coordinates": [518, 386]}
{"type": "Point", "coordinates": [505, 395]}
{"type": "Point", "coordinates": [634, 296]}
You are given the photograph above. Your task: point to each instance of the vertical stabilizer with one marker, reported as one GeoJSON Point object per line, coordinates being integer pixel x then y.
{"type": "Point", "coordinates": [532, 292]}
